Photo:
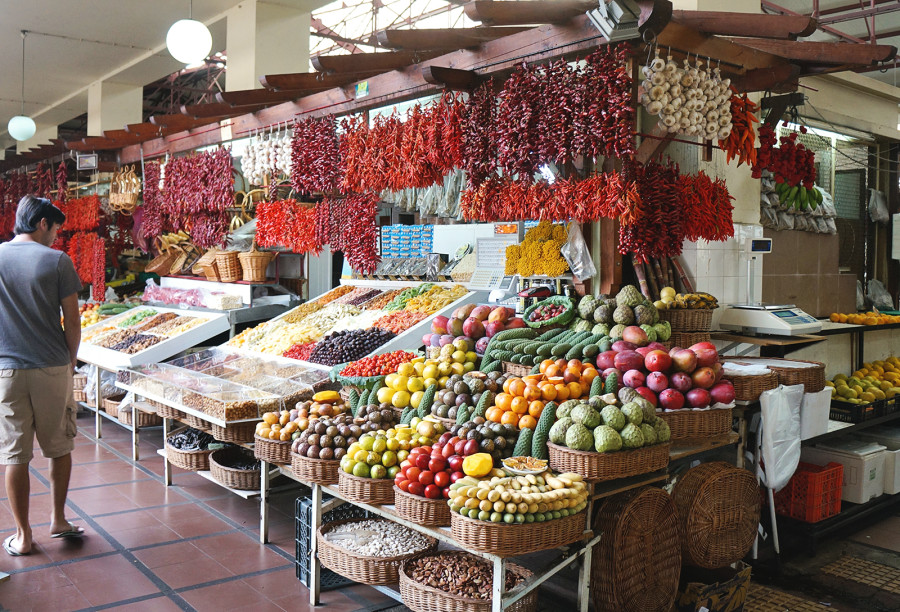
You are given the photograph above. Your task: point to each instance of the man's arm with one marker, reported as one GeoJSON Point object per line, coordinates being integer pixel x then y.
{"type": "Point", "coordinates": [72, 324]}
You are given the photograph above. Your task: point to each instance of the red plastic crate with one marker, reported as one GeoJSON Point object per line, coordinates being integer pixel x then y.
{"type": "Point", "coordinates": [813, 493]}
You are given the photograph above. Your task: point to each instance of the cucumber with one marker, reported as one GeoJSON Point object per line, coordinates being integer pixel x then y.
{"type": "Point", "coordinates": [589, 351]}
{"type": "Point", "coordinates": [363, 400]}
{"type": "Point", "coordinates": [560, 349]}
{"type": "Point", "coordinates": [549, 335]}
{"type": "Point", "coordinates": [462, 415]}
{"type": "Point", "coordinates": [406, 417]}
{"type": "Point", "coordinates": [536, 369]}
{"type": "Point", "coordinates": [544, 350]}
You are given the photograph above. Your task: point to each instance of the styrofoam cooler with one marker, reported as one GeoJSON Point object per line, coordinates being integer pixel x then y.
{"type": "Point", "coordinates": [863, 462]}
{"type": "Point", "coordinates": [890, 438]}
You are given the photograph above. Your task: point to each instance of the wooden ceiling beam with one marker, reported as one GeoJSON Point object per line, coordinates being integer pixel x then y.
{"type": "Point", "coordinates": [445, 39]}
{"type": "Point", "coordinates": [250, 97]}
{"type": "Point", "coordinates": [219, 109]}
{"type": "Point", "coordinates": [451, 78]}
{"type": "Point", "coordinates": [312, 81]}
{"type": "Point", "coordinates": [787, 27]}
{"type": "Point", "coordinates": [525, 12]}
{"type": "Point", "coordinates": [180, 123]}
{"type": "Point", "coordinates": [143, 129]}
{"type": "Point", "coordinates": [821, 52]}
{"type": "Point", "coordinates": [681, 39]}
{"type": "Point", "coordinates": [370, 62]}
{"type": "Point", "coordinates": [780, 78]}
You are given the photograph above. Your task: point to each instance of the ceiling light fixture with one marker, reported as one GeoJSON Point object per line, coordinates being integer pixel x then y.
{"type": "Point", "coordinates": [189, 41]}
{"type": "Point", "coordinates": [21, 127]}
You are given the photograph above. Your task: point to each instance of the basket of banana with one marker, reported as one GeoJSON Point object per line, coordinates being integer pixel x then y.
{"type": "Point", "coordinates": [689, 312]}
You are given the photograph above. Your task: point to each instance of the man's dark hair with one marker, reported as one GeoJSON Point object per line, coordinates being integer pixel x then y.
{"type": "Point", "coordinates": [30, 212]}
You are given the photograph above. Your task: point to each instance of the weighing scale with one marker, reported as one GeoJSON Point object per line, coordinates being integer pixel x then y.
{"type": "Point", "coordinates": [490, 261]}
{"type": "Point", "coordinates": [757, 318]}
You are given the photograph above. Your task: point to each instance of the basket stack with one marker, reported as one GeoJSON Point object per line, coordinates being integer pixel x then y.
{"type": "Point", "coordinates": [810, 374]}
{"type": "Point", "coordinates": [239, 433]}
{"type": "Point", "coordinates": [79, 382]}
{"type": "Point", "coordinates": [689, 326]}
{"type": "Point", "coordinates": [421, 510]}
{"type": "Point", "coordinates": [718, 510]}
{"type": "Point", "coordinates": [374, 491]}
{"type": "Point", "coordinates": [516, 369]}
{"type": "Point", "coordinates": [690, 424]}
{"type": "Point", "coordinates": [319, 471]}
{"type": "Point", "coordinates": [514, 540]}
{"type": "Point", "coordinates": [637, 563]}
{"type": "Point", "coordinates": [272, 451]}
{"type": "Point", "coordinates": [596, 467]}
{"type": "Point", "coordinates": [243, 480]}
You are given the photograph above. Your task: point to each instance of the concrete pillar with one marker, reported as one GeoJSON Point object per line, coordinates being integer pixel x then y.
{"type": "Point", "coordinates": [267, 38]}
{"type": "Point", "coordinates": [730, 6]}
{"type": "Point", "coordinates": [44, 133]}
{"type": "Point", "coordinates": [111, 106]}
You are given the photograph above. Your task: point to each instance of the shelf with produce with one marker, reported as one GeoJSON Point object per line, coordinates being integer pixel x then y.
{"type": "Point", "coordinates": [179, 406]}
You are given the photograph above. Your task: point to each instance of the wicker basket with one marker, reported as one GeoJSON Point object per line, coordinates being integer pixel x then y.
{"type": "Point", "coordinates": [144, 419]}
{"type": "Point", "coordinates": [165, 411]}
{"type": "Point", "coordinates": [368, 570]}
{"type": "Point", "coordinates": [516, 369]}
{"type": "Point", "coordinates": [811, 375]}
{"type": "Point", "coordinates": [272, 451]}
{"type": "Point", "coordinates": [686, 339]}
{"type": "Point", "coordinates": [749, 388]}
{"type": "Point", "coordinates": [79, 395]}
{"type": "Point", "coordinates": [319, 471]}
{"type": "Point", "coordinates": [195, 461]}
{"type": "Point", "coordinates": [421, 510]}
{"type": "Point", "coordinates": [239, 433]}
{"type": "Point", "coordinates": [637, 563]}
{"type": "Point", "coordinates": [254, 263]}
{"type": "Point", "coordinates": [688, 320]}
{"type": "Point", "coordinates": [162, 263]}
{"type": "Point", "coordinates": [608, 466]}
{"type": "Point", "coordinates": [374, 491]}
{"type": "Point", "coordinates": [111, 404]}
{"type": "Point", "coordinates": [229, 266]}
{"type": "Point", "coordinates": [243, 480]}
{"type": "Point", "coordinates": [199, 267]}
{"type": "Point", "coordinates": [423, 598]}
{"type": "Point", "coordinates": [211, 271]}
{"type": "Point", "coordinates": [718, 510]}
{"type": "Point", "coordinates": [79, 382]}
{"type": "Point", "coordinates": [692, 424]}
{"type": "Point", "coordinates": [194, 421]}
{"type": "Point", "coordinates": [513, 540]}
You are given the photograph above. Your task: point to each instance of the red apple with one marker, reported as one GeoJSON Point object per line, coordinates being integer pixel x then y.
{"type": "Point", "coordinates": [422, 461]}
{"type": "Point", "coordinates": [698, 398]}
{"type": "Point", "coordinates": [684, 361]}
{"type": "Point", "coordinates": [648, 394]}
{"type": "Point", "coordinates": [606, 359]}
{"type": "Point", "coordinates": [460, 447]}
{"type": "Point", "coordinates": [426, 477]}
{"type": "Point", "coordinates": [705, 357]}
{"type": "Point", "coordinates": [456, 476]}
{"type": "Point", "coordinates": [657, 381]}
{"type": "Point", "coordinates": [620, 345]}
{"type": "Point", "coordinates": [704, 378]}
{"type": "Point", "coordinates": [719, 370]}
{"type": "Point", "coordinates": [634, 379]}
{"type": "Point", "coordinates": [681, 382]}
{"type": "Point", "coordinates": [437, 464]}
{"type": "Point", "coordinates": [722, 393]}
{"type": "Point", "coordinates": [671, 399]}
{"type": "Point", "coordinates": [433, 492]}
{"type": "Point", "coordinates": [657, 361]}
{"type": "Point", "coordinates": [629, 360]}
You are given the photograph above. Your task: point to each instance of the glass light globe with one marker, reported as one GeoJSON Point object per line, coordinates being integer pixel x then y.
{"type": "Point", "coordinates": [21, 127]}
{"type": "Point", "coordinates": [189, 41]}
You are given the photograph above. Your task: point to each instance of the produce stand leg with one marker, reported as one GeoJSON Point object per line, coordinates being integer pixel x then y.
{"type": "Point", "coordinates": [499, 584]}
{"type": "Point", "coordinates": [97, 418]}
{"type": "Point", "coordinates": [135, 436]}
{"type": "Point", "coordinates": [264, 502]}
{"type": "Point", "coordinates": [742, 440]}
{"type": "Point", "coordinates": [167, 467]}
{"type": "Point", "coordinates": [584, 579]}
{"type": "Point", "coordinates": [314, 524]}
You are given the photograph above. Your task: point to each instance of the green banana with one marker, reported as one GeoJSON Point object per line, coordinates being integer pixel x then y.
{"type": "Point", "coordinates": [803, 198]}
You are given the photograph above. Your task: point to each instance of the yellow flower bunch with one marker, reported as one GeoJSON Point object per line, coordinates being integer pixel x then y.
{"type": "Point", "coordinates": [539, 252]}
{"type": "Point", "coordinates": [512, 259]}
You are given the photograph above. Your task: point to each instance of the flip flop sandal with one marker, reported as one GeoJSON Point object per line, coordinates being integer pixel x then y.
{"type": "Point", "coordinates": [72, 532]}
{"type": "Point", "coordinates": [12, 552]}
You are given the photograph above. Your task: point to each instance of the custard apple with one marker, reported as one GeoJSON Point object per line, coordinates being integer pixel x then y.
{"type": "Point", "coordinates": [603, 314]}
{"type": "Point", "coordinates": [581, 325]}
{"type": "Point", "coordinates": [627, 394]}
{"type": "Point", "coordinates": [633, 413]}
{"type": "Point", "coordinates": [613, 417]}
{"type": "Point", "coordinates": [579, 438]}
{"type": "Point", "coordinates": [649, 433]}
{"type": "Point", "coordinates": [601, 328]}
{"type": "Point", "coordinates": [616, 332]}
{"type": "Point", "coordinates": [607, 439]}
{"type": "Point", "coordinates": [565, 409]}
{"type": "Point", "coordinates": [651, 333]}
{"type": "Point", "coordinates": [629, 296]}
{"type": "Point", "coordinates": [632, 437]}
{"type": "Point", "coordinates": [655, 314]}
{"type": "Point", "coordinates": [663, 433]}
{"type": "Point", "coordinates": [558, 431]}
{"type": "Point", "coordinates": [647, 408]}
{"type": "Point", "coordinates": [587, 416]}
{"type": "Point", "coordinates": [663, 330]}
{"type": "Point", "coordinates": [623, 315]}
{"type": "Point", "coordinates": [643, 315]}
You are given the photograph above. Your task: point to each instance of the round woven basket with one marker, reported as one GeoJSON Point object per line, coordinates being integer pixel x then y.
{"type": "Point", "coordinates": [229, 266]}
{"type": "Point", "coordinates": [686, 339]}
{"type": "Point", "coordinates": [749, 388]}
{"type": "Point", "coordinates": [373, 491]}
{"type": "Point", "coordinates": [79, 395]}
{"type": "Point", "coordinates": [688, 320]}
{"type": "Point", "coordinates": [422, 510]}
{"type": "Point", "coordinates": [240, 433]}
{"type": "Point", "coordinates": [195, 461]}
{"type": "Point", "coordinates": [166, 412]}
{"type": "Point", "coordinates": [254, 264]}
{"type": "Point", "coordinates": [691, 424]}
{"type": "Point", "coordinates": [79, 382]}
{"type": "Point", "coordinates": [272, 451]}
{"type": "Point", "coordinates": [718, 510]}
{"type": "Point", "coordinates": [194, 421]}
{"type": "Point", "coordinates": [516, 369]}
{"type": "Point", "coordinates": [513, 540]}
{"type": "Point", "coordinates": [811, 374]}
{"type": "Point", "coordinates": [608, 466]}
{"type": "Point", "coordinates": [211, 271]}
{"type": "Point", "coordinates": [319, 471]}
{"type": "Point", "coordinates": [144, 419]}
{"type": "Point", "coordinates": [423, 598]}
{"type": "Point", "coordinates": [368, 570]}
{"type": "Point", "coordinates": [111, 404]}
{"type": "Point", "coordinates": [243, 480]}
{"type": "Point", "coordinates": [637, 563]}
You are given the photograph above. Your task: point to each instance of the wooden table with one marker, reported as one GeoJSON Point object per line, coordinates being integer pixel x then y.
{"type": "Point", "coordinates": [771, 346]}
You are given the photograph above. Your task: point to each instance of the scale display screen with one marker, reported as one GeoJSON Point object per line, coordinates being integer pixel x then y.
{"type": "Point", "coordinates": [784, 314]}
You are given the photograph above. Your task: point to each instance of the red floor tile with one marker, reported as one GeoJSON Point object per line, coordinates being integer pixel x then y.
{"type": "Point", "coordinates": [38, 556]}
{"type": "Point", "coordinates": [332, 601]}
{"type": "Point", "coordinates": [155, 533]}
{"type": "Point", "coordinates": [157, 604]}
{"type": "Point", "coordinates": [189, 573]}
{"type": "Point", "coordinates": [74, 548]}
{"type": "Point", "coordinates": [23, 583]}
{"type": "Point", "coordinates": [108, 579]}
{"type": "Point", "coordinates": [279, 584]}
{"type": "Point", "coordinates": [235, 595]}
{"type": "Point", "coordinates": [169, 554]}
{"type": "Point", "coordinates": [62, 599]}
{"type": "Point", "coordinates": [127, 520]}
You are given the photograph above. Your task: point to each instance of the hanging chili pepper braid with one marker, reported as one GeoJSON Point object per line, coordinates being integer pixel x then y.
{"type": "Point", "coordinates": [602, 105]}
{"type": "Point", "coordinates": [286, 223]}
{"type": "Point", "coordinates": [323, 220]}
{"type": "Point", "coordinates": [654, 227]}
{"type": "Point", "coordinates": [152, 220]}
{"type": "Point", "coordinates": [98, 271]}
{"type": "Point", "coordinates": [741, 141]}
{"type": "Point", "coordinates": [62, 182]}
{"type": "Point", "coordinates": [706, 207]}
{"type": "Point", "coordinates": [358, 232]}
{"type": "Point", "coordinates": [479, 160]}
{"type": "Point", "coordinates": [316, 163]}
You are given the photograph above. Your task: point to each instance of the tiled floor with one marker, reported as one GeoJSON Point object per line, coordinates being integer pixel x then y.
{"type": "Point", "coordinates": [192, 546]}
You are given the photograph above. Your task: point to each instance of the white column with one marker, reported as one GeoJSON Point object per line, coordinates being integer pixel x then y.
{"type": "Point", "coordinates": [44, 133]}
{"type": "Point", "coordinates": [729, 6]}
{"type": "Point", "coordinates": [111, 106]}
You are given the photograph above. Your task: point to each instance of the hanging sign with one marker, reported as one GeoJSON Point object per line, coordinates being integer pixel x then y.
{"type": "Point", "coordinates": [362, 89]}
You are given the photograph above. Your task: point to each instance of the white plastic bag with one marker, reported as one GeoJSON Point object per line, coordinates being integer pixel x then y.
{"type": "Point", "coordinates": [780, 434]}
{"type": "Point", "coordinates": [576, 254]}
{"type": "Point", "coordinates": [879, 296]}
{"type": "Point", "coordinates": [107, 384]}
{"type": "Point", "coordinates": [814, 413]}
{"type": "Point", "coordinates": [878, 210]}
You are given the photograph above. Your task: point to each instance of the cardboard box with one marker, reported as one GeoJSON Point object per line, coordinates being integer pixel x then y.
{"type": "Point", "coordinates": [863, 463]}
{"type": "Point", "coordinates": [720, 590]}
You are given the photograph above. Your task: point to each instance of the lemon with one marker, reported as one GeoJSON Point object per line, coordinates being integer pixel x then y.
{"type": "Point", "coordinates": [419, 368]}
{"type": "Point", "coordinates": [471, 356]}
{"type": "Point", "coordinates": [416, 398]}
{"type": "Point", "coordinates": [458, 356]}
{"type": "Point", "coordinates": [415, 384]}
{"type": "Point", "coordinates": [389, 380]}
{"type": "Point", "coordinates": [400, 399]}
{"type": "Point", "coordinates": [457, 368]}
{"type": "Point", "coordinates": [385, 394]}
{"type": "Point", "coordinates": [400, 383]}
{"type": "Point", "coordinates": [430, 371]}
{"type": "Point", "coordinates": [406, 369]}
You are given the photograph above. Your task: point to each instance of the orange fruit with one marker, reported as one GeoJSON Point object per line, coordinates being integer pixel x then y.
{"type": "Point", "coordinates": [545, 364]}
{"type": "Point", "coordinates": [532, 379]}
{"type": "Point", "coordinates": [552, 371]}
{"type": "Point", "coordinates": [535, 408]}
{"type": "Point", "coordinates": [556, 380]}
{"type": "Point", "coordinates": [519, 405]}
{"type": "Point", "coordinates": [493, 414]}
{"type": "Point", "coordinates": [574, 390]}
{"type": "Point", "coordinates": [532, 393]}
{"type": "Point", "coordinates": [503, 401]}
{"type": "Point", "coordinates": [561, 363]}
{"type": "Point", "coordinates": [510, 418]}
{"type": "Point", "coordinates": [589, 373]}
{"type": "Point", "coordinates": [526, 421]}
{"type": "Point", "coordinates": [548, 392]}
{"type": "Point", "coordinates": [562, 392]}
{"type": "Point", "coordinates": [574, 363]}
{"type": "Point", "coordinates": [517, 387]}
{"type": "Point", "coordinates": [507, 383]}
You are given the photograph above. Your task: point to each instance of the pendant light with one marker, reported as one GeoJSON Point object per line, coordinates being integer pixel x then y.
{"type": "Point", "coordinates": [189, 41]}
{"type": "Point", "coordinates": [21, 127]}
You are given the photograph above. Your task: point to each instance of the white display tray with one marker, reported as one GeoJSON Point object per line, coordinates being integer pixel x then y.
{"type": "Point", "coordinates": [109, 359]}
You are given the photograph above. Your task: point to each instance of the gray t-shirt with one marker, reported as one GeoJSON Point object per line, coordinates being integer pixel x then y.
{"type": "Point", "coordinates": [33, 281]}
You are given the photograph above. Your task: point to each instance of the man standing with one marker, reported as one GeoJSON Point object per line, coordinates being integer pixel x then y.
{"type": "Point", "coordinates": [36, 362]}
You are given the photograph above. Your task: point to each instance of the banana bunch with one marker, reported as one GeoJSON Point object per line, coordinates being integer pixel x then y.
{"type": "Point", "coordinates": [798, 196]}
{"type": "Point", "coordinates": [694, 301]}
{"type": "Point", "coordinates": [166, 241]}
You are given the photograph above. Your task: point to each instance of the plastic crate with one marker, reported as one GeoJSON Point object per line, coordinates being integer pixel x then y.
{"type": "Point", "coordinates": [891, 405]}
{"type": "Point", "coordinates": [813, 493]}
{"type": "Point", "coordinates": [303, 519]}
{"type": "Point", "coordinates": [856, 413]}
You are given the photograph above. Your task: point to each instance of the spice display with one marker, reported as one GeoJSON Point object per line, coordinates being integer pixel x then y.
{"type": "Point", "coordinates": [300, 312]}
{"type": "Point", "coordinates": [382, 300]}
{"type": "Point", "coordinates": [401, 320]}
{"type": "Point", "coordinates": [460, 574]}
{"type": "Point", "coordinates": [163, 317]}
{"type": "Point", "coordinates": [162, 327]}
{"type": "Point", "coordinates": [539, 253]}
{"type": "Point", "coordinates": [62, 183]}
{"type": "Point", "coordinates": [377, 538]}
{"type": "Point", "coordinates": [741, 141]}
{"type": "Point", "coordinates": [152, 223]}
{"type": "Point", "coordinates": [334, 294]}
{"type": "Point", "coordinates": [316, 164]}
{"type": "Point", "coordinates": [378, 365]}
{"type": "Point", "coordinates": [135, 343]}
{"type": "Point", "coordinates": [189, 323]}
{"type": "Point", "coordinates": [300, 351]}
{"type": "Point", "coordinates": [402, 298]}
{"type": "Point", "coordinates": [358, 296]}
{"type": "Point", "coordinates": [344, 346]}
{"type": "Point", "coordinates": [136, 317]}
{"type": "Point", "coordinates": [287, 223]}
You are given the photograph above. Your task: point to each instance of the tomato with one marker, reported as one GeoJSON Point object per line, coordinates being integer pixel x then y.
{"type": "Point", "coordinates": [442, 479]}
{"type": "Point", "coordinates": [426, 477]}
{"type": "Point", "coordinates": [404, 485]}
{"type": "Point", "coordinates": [433, 492]}
{"type": "Point", "coordinates": [417, 488]}
{"type": "Point", "coordinates": [413, 473]}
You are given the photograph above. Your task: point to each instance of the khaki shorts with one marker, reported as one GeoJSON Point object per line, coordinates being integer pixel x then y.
{"type": "Point", "coordinates": [38, 402]}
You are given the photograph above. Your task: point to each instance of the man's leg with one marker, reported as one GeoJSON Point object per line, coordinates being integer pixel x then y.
{"type": "Point", "coordinates": [60, 471]}
{"type": "Point", "coordinates": [18, 489]}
